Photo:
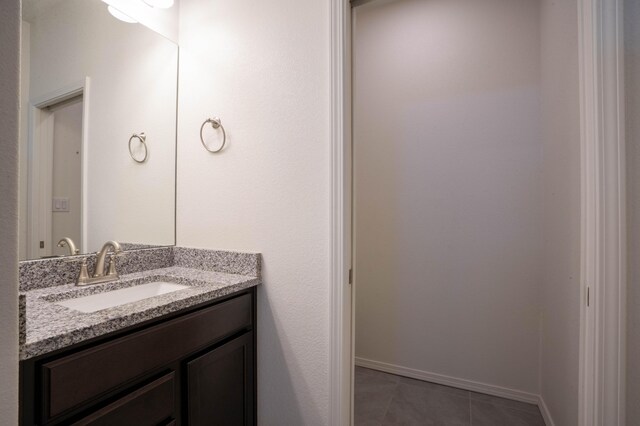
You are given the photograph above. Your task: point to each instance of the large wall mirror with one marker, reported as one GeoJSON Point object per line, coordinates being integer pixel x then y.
{"type": "Point", "coordinates": [98, 135]}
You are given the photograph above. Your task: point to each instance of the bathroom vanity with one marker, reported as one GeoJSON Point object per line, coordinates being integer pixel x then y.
{"type": "Point", "coordinates": [184, 357]}
{"type": "Point", "coordinates": [165, 335]}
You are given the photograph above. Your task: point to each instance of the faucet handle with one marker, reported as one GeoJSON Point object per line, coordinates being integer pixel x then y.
{"type": "Point", "coordinates": [83, 275]}
{"type": "Point", "coordinates": [112, 263]}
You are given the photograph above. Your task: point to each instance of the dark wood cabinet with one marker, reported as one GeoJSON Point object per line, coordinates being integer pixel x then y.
{"type": "Point", "coordinates": [151, 405]}
{"type": "Point", "coordinates": [220, 385]}
{"type": "Point", "coordinates": [195, 367]}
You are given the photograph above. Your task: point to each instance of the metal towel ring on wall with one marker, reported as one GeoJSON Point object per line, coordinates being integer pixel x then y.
{"type": "Point", "coordinates": [215, 123]}
{"type": "Point", "coordinates": [143, 140]}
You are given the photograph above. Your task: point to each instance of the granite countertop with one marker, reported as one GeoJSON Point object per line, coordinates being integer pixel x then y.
{"type": "Point", "coordinates": [49, 326]}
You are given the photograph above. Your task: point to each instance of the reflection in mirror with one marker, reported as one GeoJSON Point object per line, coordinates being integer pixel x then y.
{"type": "Point", "coordinates": [90, 82]}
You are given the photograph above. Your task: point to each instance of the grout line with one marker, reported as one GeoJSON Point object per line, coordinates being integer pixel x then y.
{"type": "Point", "coordinates": [384, 415]}
{"type": "Point", "coordinates": [391, 392]}
{"type": "Point", "coordinates": [438, 388]}
{"type": "Point", "coordinates": [470, 413]}
{"type": "Point", "coordinates": [498, 403]}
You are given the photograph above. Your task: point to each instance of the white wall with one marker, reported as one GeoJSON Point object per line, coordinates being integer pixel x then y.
{"type": "Point", "coordinates": [9, 111]}
{"type": "Point", "coordinates": [133, 74]}
{"type": "Point", "coordinates": [632, 92]}
{"type": "Point", "coordinates": [263, 68]}
{"type": "Point", "coordinates": [560, 296]}
{"type": "Point", "coordinates": [447, 196]}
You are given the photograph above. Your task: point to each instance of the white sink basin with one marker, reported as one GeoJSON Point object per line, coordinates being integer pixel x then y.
{"type": "Point", "coordinates": [109, 299]}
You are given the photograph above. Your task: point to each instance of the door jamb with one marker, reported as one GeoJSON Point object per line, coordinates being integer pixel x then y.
{"type": "Point", "coordinates": [341, 345]}
{"type": "Point", "coordinates": [40, 134]}
{"type": "Point", "coordinates": [603, 218]}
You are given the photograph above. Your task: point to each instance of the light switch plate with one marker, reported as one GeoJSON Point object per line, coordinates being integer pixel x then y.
{"type": "Point", "coordinates": [60, 204]}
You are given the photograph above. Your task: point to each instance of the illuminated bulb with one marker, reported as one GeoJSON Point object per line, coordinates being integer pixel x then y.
{"type": "Point", "coordinates": [162, 4]}
{"type": "Point", "coordinates": [121, 16]}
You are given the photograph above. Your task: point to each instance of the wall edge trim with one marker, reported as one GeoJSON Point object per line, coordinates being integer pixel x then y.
{"type": "Point", "coordinates": [340, 355]}
{"type": "Point", "coordinates": [544, 410]}
{"type": "Point", "coordinates": [602, 365]}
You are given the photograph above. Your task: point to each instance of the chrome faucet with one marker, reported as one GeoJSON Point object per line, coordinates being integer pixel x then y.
{"type": "Point", "coordinates": [66, 241]}
{"type": "Point", "coordinates": [99, 272]}
{"type": "Point", "coordinates": [99, 275]}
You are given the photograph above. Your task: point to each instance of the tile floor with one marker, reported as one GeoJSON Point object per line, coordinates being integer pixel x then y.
{"type": "Point", "coordinates": [386, 399]}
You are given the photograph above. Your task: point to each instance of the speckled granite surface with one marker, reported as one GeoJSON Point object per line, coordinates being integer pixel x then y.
{"type": "Point", "coordinates": [138, 246]}
{"type": "Point", "coordinates": [217, 260]}
{"type": "Point", "coordinates": [22, 319]}
{"type": "Point", "coordinates": [50, 326]}
{"type": "Point", "coordinates": [56, 271]}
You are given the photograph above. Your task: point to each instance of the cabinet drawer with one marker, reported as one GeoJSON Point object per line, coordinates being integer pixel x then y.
{"type": "Point", "coordinates": [147, 406]}
{"type": "Point", "coordinates": [73, 380]}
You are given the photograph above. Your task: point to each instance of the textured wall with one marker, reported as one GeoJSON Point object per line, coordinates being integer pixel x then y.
{"type": "Point", "coordinates": [447, 187]}
{"type": "Point", "coordinates": [263, 68]}
{"type": "Point", "coordinates": [9, 112]}
{"type": "Point", "coordinates": [560, 293]}
{"type": "Point", "coordinates": [632, 71]}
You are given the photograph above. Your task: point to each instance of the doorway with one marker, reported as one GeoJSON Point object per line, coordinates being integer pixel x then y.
{"type": "Point", "coordinates": [66, 173]}
{"type": "Point", "coordinates": [447, 210]}
{"type": "Point", "coordinates": [56, 169]}
{"type": "Point", "coordinates": [595, 394]}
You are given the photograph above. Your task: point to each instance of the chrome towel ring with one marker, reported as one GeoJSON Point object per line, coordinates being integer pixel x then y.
{"type": "Point", "coordinates": [215, 123]}
{"type": "Point", "coordinates": [143, 140]}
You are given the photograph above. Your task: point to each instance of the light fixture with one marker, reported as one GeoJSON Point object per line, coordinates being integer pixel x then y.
{"type": "Point", "coordinates": [162, 4]}
{"type": "Point", "coordinates": [120, 15]}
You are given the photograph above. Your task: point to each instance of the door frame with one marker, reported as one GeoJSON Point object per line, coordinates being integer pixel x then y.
{"type": "Point", "coordinates": [603, 222]}
{"type": "Point", "coordinates": [341, 295]}
{"type": "Point", "coordinates": [39, 193]}
{"type": "Point", "coordinates": [603, 214]}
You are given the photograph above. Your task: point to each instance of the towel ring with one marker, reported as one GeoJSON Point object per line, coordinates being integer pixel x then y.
{"type": "Point", "coordinates": [143, 140]}
{"type": "Point", "coordinates": [215, 123]}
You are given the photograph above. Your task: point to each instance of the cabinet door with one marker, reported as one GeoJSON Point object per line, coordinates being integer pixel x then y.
{"type": "Point", "coordinates": [221, 385]}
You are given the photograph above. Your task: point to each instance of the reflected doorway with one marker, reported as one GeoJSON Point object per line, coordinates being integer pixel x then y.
{"type": "Point", "coordinates": [56, 177]}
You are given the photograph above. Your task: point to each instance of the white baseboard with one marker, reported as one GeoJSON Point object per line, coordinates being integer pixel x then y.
{"type": "Point", "coordinates": [546, 415]}
{"type": "Point", "coordinates": [465, 384]}
{"type": "Point", "coordinates": [455, 382]}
